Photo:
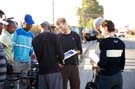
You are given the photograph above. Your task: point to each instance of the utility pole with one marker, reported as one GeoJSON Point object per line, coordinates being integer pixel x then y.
{"type": "Point", "coordinates": [53, 12]}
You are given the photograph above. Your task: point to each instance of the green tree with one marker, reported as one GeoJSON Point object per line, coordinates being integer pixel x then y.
{"type": "Point", "coordinates": [89, 24]}
{"type": "Point", "coordinates": [90, 10]}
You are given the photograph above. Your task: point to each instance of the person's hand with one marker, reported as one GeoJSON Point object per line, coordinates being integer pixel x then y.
{"type": "Point", "coordinates": [78, 52]}
{"type": "Point", "coordinates": [94, 66]}
{"type": "Point", "coordinates": [60, 65]}
{"type": "Point", "coordinates": [9, 62]}
{"type": "Point", "coordinates": [33, 56]}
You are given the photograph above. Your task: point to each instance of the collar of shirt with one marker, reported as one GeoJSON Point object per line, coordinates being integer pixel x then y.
{"type": "Point", "coordinates": [6, 32]}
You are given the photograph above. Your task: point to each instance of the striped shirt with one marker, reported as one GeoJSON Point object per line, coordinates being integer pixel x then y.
{"type": "Point", "coordinates": [112, 56]}
{"type": "Point", "coordinates": [22, 45]}
{"type": "Point", "coordinates": [3, 68]}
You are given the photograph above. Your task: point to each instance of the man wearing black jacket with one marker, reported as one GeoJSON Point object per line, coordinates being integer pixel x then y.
{"type": "Point", "coordinates": [112, 58]}
{"type": "Point", "coordinates": [70, 40]}
{"type": "Point", "coordinates": [49, 53]}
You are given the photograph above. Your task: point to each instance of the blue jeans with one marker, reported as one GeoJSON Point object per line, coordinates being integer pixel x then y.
{"type": "Point", "coordinates": [110, 82]}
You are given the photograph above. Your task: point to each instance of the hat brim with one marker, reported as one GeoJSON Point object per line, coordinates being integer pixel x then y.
{"type": "Point", "coordinates": [30, 22]}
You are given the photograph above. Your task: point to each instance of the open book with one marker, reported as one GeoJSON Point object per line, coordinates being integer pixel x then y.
{"type": "Point", "coordinates": [69, 53]}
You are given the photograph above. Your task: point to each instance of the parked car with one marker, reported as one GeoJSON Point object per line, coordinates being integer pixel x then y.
{"type": "Point", "coordinates": [120, 34]}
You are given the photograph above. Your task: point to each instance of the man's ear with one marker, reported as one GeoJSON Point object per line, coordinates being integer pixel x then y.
{"type": "Point", "coordinates": [97, 27]}
{"type": "Point", "coordinates": [106, 29]}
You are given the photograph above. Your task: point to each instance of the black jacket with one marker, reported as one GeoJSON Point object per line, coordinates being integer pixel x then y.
{"type": "Point", "coordinates": [112, 56]}
{"type": "Point", "coordinates": [48, 50]}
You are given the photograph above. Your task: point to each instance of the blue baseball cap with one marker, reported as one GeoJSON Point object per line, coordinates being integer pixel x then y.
{"type": "Point", "coordinates": [28, 19]}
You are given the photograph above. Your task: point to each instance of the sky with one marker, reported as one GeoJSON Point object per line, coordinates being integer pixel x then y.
{"type": "Point", "coordinates": [41, 9]}
{"type": "Point", "coordinates": [119, 11]}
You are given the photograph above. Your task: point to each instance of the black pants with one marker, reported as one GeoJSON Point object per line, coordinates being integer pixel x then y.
{"type": "Point", "coordinates": [71, 73]}
{"type": "Point", "coordinates": [110, 82]}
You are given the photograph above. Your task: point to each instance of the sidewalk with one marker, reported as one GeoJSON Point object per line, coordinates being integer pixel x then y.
{"type": "Point", "coordinates": [129, 79]}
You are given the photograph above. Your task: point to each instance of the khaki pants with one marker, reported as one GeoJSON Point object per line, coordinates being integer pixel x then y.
{"type": "Point", "coordinates": [21, 66]}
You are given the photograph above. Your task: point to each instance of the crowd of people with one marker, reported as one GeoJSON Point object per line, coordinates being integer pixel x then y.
{"type": "Point", "coordinates": [19, 46]}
